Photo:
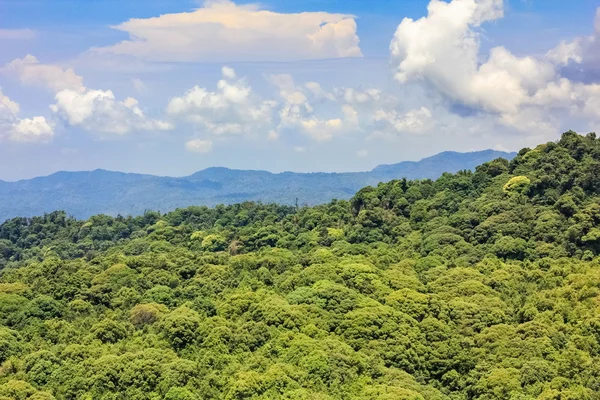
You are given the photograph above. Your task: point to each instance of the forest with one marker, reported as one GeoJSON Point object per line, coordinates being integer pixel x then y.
{"type": "Point", "coordinates": [482, 284]}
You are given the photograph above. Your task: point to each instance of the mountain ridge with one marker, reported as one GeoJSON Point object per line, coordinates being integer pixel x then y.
{"type": "Point", "coordinates": [101, 191]}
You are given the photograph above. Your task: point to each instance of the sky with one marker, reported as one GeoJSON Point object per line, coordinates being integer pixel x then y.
{"type": "Point", "coordinates": [172, 87]}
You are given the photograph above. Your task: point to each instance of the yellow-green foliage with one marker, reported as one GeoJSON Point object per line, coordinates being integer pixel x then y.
{"type": "Point", "coordinates": [517, 184]}
{"type": "Point", "coordinates": [198, 235]}
{"type": "Point", "coordinates": [17, 288]}
{"type": "Point", "coordinates": [214, 243]}
{"type": "Point", "coordinates": [335, 233]}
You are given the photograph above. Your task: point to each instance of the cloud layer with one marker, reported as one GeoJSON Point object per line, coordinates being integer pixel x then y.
{"type": "Point", "coordinates": [444, 84]}
{"type": "Point", "coordinates": [290, 109]}
{"type": "Point", "coordinates": [223, 31]}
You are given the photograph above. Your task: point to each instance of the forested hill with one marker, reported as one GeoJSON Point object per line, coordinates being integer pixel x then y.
{"type": "Point", "coordinates": [478, 285]}
{"type": "Point", "coordinates": [83, 194]}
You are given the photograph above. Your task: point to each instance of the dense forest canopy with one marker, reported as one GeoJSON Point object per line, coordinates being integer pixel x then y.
{"type": "Point", "coordinates": [478, 285]}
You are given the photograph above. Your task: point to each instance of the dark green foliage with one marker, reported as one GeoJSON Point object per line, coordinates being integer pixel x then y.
{"type": "Point", "coordinates": [109, 331]}
{"type": "Point", "coordinates": [478, 285]}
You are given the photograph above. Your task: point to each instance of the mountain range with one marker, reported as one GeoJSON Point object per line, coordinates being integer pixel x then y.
{"type": "Point", "coordinates": [83, 194]}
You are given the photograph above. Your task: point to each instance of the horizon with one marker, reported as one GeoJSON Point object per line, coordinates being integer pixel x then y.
{"type": "Point", "coordinates": [258, 170]}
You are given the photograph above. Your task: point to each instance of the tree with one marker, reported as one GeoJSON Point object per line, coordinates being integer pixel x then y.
{"type": "Point", "coordinates": [180, 327]}
{"type": "Point", "coordinates": [517, 184]}
{"type": "Point", "coordinates": [109, 331]}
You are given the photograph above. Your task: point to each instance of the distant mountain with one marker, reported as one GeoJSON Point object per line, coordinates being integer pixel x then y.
{"type": "Point", "coordinates": [83, 194]}
{"type": "Point", "coordinates": [432, 167]}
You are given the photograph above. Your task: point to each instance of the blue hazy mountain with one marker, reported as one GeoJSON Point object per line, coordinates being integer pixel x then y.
{"type": "Point", "coordinates": [83, 194]}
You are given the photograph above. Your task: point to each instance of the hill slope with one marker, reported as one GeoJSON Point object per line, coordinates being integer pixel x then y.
{"type": "Point", "coordinates": [83, 194]}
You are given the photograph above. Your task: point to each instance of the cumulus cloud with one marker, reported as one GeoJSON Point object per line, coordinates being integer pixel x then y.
{"type": "Point", "coordinates": [224, 31]}
{"type": "Point", "coordinates": [14, 128]}
{"type": "Point", "coordinates": [566, 52]}
{"type": "Point", "coordinates": [232, 109]}
{"type": "Point", "coordinates": [416, 121]}
{"type": "Point", "coordinates": [199, 146]}
{"type": "Point", "coordinates": [298, 109]}
{"type": "Point", "coordinates": [98, 110]}
{"type": "Point", "coordinates": [91, 109]}
{"type": "Point", "coordinates": [35, 129]}
{"type": "Point", "coordinates": [442, 50]}
{"type": "Point", "coordinates": [7, 106]}
{"type": "Point", "coordinates": [580, 58]}
{"type": "Point", "coordinates": [322, 115]}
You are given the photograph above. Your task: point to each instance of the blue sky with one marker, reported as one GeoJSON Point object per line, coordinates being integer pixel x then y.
{"type": "Point", "coordinates": [310, 85]}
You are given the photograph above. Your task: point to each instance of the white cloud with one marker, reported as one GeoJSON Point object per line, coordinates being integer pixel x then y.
{"type": "Point", "coordinates": [17, 34]}
{"type": "Point", "coordinates": [350, 115]}
{"type": "Point", "coordinates": [224, 31]}
{"type": "Point", "coordinates": [199, 146]}
{"type": "Point", "coordinates": [228, 73]}
{"type": "Point", "coordinates": [318, 92]}
{"type": "Point", "coordinates": [98, 110]}
{"type": "Point", "coordinates": [54, 77]}
{"type": "Point", "coordinates": [322, 130]}
{"type": "Point", "coordinates": [566, 52]}
{"type": "Point", "coordinates": [92, 109]}
{"type": "Point", "coordinates": [7, 106]}
{"type": "Point", "coordinates": [358, 96]}
{"type": "Point", "coordinates": [444, 38]}
{"type": "Point", "coordinates": [442, 51]}
{"type": "Point", "coordinates": [323, 115]}
{"type": "Point", "coordinates": [580, 58]}
{"type": "Point", "coordinates": [232, 109]}
{"type": "Point", "coordinates": [13, 128]}
{"type": "Point", "coordinates": [35, 129]}
{"type": "Point", "coordinates": [296, 108]}
{"type": "Point", "coordinates": [416, 121]}
{"type": "Point", "coordinates": [298, 112]}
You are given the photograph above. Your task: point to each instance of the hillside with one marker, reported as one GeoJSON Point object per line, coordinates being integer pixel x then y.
{"type": "Point", "coordinates": [478, 285]}
{"type": "Point", "coordinates": [83, 194]}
